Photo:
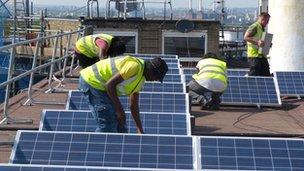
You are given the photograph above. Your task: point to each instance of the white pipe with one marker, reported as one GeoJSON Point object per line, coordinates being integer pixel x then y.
{"type": "Point", "coordinates": [200, 2]}
{"type": "Point", "coordinates": [190, 4]}
{"type": "Point", "coordinates": [286, 24]}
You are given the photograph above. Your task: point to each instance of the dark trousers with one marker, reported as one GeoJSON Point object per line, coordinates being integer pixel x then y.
{"type": "Point", "coordinates": [85, 61]}
{"type": "Point", "coordinates": [258, 67]}
{"type": "Point", "coordinates": [195, 90]}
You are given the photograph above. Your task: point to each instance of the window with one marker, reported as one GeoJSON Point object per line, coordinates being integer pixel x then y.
{"type": "Point", "coordinates": [129, 37]}
{"type": "Point", "coordinates": [186, 45]}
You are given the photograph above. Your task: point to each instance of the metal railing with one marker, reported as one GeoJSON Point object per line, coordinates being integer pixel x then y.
{"type": "Point", "coordinates": [55, 59]}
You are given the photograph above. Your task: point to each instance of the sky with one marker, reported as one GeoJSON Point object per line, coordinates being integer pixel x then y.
{"type": "Point", "coordinates": [176, 3]}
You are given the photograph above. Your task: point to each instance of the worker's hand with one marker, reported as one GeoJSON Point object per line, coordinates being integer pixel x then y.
{"type": "Point", "coordinates": [261, 43]}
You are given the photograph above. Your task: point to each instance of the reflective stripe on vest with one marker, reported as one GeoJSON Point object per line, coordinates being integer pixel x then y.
{"type": "Point", "coordinates": [87, 46]}
{"type": "Point", "coordinates": [252, 49]}
{"type": "Point", "coordinates": [126, 87]}
{"type": "Point", "coordinates": [211, 69]}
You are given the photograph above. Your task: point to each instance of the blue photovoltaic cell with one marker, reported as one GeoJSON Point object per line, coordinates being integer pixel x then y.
{"type": "Point", "coordinates": [155, 55]}
{"type": "Point", "coordinates": [148, 102]}
{"type": "Point", "coordinates": [251, 154]}
{"type": "Point", "coordinates": [168, 60]}
{"type": "Point", "coordinates": [164, 87]}
{"type": "Point", "coordinates": [237, 72]}
{"type": "Point", "coordinates": [24, 167]}
{"type": "Point", "coordinates": [251, 91]}
{"type": "Point", "coordinates": [173, 78]}
{"type": "Point", "coordinates": [103, 150]}
{"type": "Point", "coordinates": [290, 83]}
{"type": "Point", "coordinates": [174, 71]}
{"type": "Point", "coordinates": [188, 78]}
{"type": "Point", "coordinates": [173, 65]}
{"type": "Point", "coordinates": [83, 121]}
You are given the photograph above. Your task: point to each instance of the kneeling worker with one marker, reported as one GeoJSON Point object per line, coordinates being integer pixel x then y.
{"type": "Point", "coordinates": [107, 79]}
{"type": "Point", "coordinates": [211, 77]}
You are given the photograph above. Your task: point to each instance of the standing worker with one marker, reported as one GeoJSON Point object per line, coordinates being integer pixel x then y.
{"type": "Point", "coordinates": [258, 64]}
{"type": "Point", "coordinates": [210, 78]}
{"type": "Point", "coordinates": [107, 79]}
{"type": "Point", "coordinates": [92, 48]}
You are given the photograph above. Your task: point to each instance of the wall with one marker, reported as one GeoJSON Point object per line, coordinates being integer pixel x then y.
{"type": "Point", "coordinates": [150, 31]}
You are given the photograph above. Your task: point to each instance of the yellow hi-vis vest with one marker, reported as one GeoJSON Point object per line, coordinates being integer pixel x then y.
{"type": "Point", "coordinates": [87, 46]}
{"type": "Point", "coordinates": [98, 74]}
{"type": "Point", "coordinates": [252, 49]}
{"type": "Point", "coordinates": [211, 68]}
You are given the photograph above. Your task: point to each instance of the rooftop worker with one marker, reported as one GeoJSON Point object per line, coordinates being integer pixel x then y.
{"type": "Point", "coordinates": [107, 79]}
{"type": "Point", "coordinates": [92, 48]}
{"type": "Point", "coordinates": [258, 63]}
{"type": "Point", "coordinates": [210, 78]}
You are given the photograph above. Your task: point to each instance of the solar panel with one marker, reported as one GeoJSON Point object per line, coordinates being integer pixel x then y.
{"type": "Point", "coordinates": [290, 83]}
{"type": "Point", "coordinates": [233, 153]}
{"type": "Point", "coordinates": [103, 150]}
{"type": "Point", "coordinates": [148, 102]}
{"type": "Point", "coordinates": [83, 121]}
{"type": "Point", "coordinates": [251, 91]}
{"type": "Point", "coordinates": [25, 167]}
{"type": "Point", "coordinates": [155, 55]}
{"type": "Point", "coordinates": [168, 60]}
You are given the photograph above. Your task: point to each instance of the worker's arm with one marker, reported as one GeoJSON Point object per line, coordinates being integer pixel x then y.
{"type": "Point", "coordinates": [103, 46]}
{"type": "Point", "coordinates": [135, 111]}
{"type": "Point", "coordinates": [249, 38]}
{"type": "Point", "coordinates": [111, 90]}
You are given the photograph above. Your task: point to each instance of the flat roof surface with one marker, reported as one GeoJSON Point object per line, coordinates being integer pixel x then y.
{"type": "Point", "coordinates": [285, 121]}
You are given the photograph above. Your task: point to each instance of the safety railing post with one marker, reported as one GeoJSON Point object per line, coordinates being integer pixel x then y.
{"type": "Point", "coordinates": [66, 54]}
{"type": "Point", "coordinates": [52, 66]}
{"type": "Point", "coordinates": [7, 118]}
{"type": "Point", "coordinates": [30, 100]}
{"type": "Point", "coordinates": [79, 35]}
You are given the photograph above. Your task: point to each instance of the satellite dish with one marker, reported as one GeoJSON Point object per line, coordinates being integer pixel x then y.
{"type": "Point", "coordinates": [184, 26]}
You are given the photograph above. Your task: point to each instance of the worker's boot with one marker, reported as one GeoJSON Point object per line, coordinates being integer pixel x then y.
{"type": "Point", "coordinates": [214, 104]}
{"type": "Point", "coordinates": [204, 104]}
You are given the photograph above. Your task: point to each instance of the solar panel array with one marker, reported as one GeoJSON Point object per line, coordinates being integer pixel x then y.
{"type": "Point", "coordinates": [83, 121]}
{"type": "Point", "coordinates": [148, 102]}
{"type": "Point", "coordinates": [290, 83]}
{"type": "Point", "coordinates": [251, 91]}
{"type": "Point", "coordinates": [157, 151]}
{"type": "Point", "coordinates": [103, 150]}
{"type": "Point", "coordinates": [65, 140]}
